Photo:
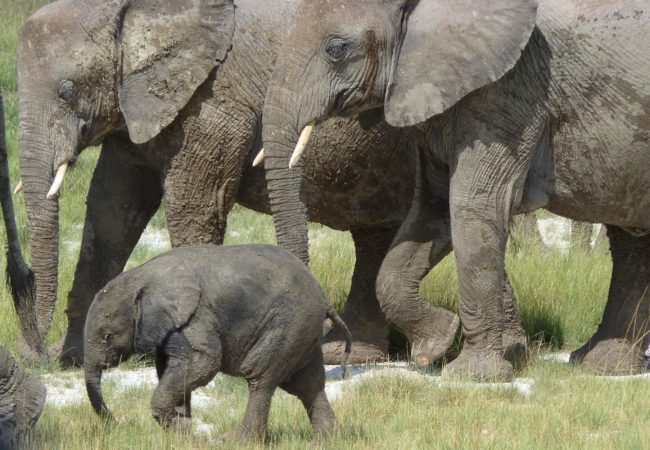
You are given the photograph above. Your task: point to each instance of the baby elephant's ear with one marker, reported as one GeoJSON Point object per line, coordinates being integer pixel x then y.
{"type": "Point", "coordinates": [161, 311]}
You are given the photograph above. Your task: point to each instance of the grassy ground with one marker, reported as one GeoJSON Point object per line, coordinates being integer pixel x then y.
{"type": "Point", "coordinates": [561, 299]}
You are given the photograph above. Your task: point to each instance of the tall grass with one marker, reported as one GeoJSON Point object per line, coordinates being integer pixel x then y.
{"type": "Point", "coordinates": [561, 299]}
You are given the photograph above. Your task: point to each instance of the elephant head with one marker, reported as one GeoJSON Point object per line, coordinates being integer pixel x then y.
{"type": "Point", "coordinates": [131, 316]}
{"type": "Point", "coordinates": [414, 58]}
{"type": "Point", "coordinates": [88, 68]}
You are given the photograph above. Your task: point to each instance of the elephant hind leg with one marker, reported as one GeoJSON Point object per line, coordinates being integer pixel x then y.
{"type": "Point", "coordinates": [362, 313]}
{"type": "Point", "coordinates": [308, 384]}
{"type": "Point", "coordinates": [422, 241]}
{"type": "Point", "coordinates": [617, 345]}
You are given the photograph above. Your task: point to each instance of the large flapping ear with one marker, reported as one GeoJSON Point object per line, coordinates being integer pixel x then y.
{"type": "Point", "coordinates": [168, 49]}
{"type": "Point", "coordinates": [450, 48]}
{"type": "Point", "coordinates": [161, 311]}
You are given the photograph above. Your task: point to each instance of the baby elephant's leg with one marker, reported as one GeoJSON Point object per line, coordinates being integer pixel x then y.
{"type": "Point", "coordinates": [308, 384]}
{"type": "Point", "coordinates": [180, 371]}
{"type": "Point", "coordinates": [257, 412]}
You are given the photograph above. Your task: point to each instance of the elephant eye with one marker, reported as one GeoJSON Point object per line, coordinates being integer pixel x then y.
{"type": "Point", "coordinates": [336, 49]}
{"type": "Point", "coordinates": [108, 337]}
{"type": "Point", "coordinates": [67, 92]}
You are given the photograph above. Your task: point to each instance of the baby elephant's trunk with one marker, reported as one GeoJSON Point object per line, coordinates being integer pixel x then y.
{"type": "Point", "coordinates": [334, 317]}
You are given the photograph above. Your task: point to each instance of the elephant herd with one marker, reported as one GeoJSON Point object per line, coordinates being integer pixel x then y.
{"type": "Point", "coordinates": [417, 125]}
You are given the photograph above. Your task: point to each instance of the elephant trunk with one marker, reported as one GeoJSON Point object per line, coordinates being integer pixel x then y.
{"type": "Point", "coordinates": [19, 276]}
{"type": "Point", "coordinates": [286, 186]}
{"type": "Point", "coordinates": [288, 120]}
{"type": "Point", "coordinates": [36, 161]}
{"type": "Point", "coordinates": [93, 368]}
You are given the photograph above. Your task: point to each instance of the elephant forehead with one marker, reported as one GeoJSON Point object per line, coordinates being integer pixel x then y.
{"type": "Point", "coordinates": [338, 16]}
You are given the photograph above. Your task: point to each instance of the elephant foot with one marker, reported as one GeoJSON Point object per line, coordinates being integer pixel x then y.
{"type": "Point", "coordinates": [30, 356]}
{"type": "Point", "coordinates": [180, 424]}
{"type": "Point", "coordinates": [69, 350]}
{"type": "Point", "coordinates": [432, 336]}
{"type": "Point", "coordinates": [515, 347]}
{"type": "Point", "coordinates": [474, 365]}
{"type": "Point", "coordinates": [365, 348]}
{"type": "Point", "coordinates": [369, 339]}
{"type": "Point", "coordinates": [613, 356]}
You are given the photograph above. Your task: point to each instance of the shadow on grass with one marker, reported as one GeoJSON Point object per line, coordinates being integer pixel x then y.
{"type": "Point", "coordinates": [543, 327]}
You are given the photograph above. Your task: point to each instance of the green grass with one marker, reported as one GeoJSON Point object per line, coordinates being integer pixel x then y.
{"type": "Point", "coordinates": [561, 299]}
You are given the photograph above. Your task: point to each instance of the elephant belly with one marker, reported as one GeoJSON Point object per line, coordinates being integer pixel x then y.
{"type": "Point", "coordinates": [354, 178]}
{"type": "Point", "coordinates": [599, 102]}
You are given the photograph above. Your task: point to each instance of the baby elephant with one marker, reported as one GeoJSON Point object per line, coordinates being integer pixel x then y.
{"type": "Point", "coordinates": [253, 311]}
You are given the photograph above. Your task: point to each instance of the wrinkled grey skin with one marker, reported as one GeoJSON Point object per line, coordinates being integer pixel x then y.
{"type": "Point", "coordinates": [251, 311]}
{"type": "Point", "coordinates": [22, 396]}
{"type": "Point", "coordinates": [72, 96]}
{"type": "Point", "coordinates": [528, 107]}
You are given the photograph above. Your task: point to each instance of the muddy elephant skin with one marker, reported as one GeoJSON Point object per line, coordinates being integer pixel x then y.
{"type": "Point", "coordinates": [529, 104]}
{"type": "Point", "coordinates": [22, 398]}
{"type": "Point", "coordinates": [251, 311]}
{"type": "Point", "coordinates": [83, 80]}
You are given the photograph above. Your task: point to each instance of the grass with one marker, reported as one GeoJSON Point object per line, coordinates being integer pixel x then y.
{"type": "Point", "coordinates": [561, 299]}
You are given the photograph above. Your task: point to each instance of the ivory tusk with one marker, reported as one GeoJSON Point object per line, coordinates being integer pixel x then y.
{"type": "Point", "coordinates": [301, 145]}
{"type": "Point", "coordinates": [58, 180]}
{"type": "Point", "coordinates": [259, 158]}
{"type": "Point", "coordinates": [19, 187]}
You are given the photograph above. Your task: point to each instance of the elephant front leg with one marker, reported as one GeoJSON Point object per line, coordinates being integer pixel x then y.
{"type": "Point", "coordinates": [423, 240]}
{"type": "Point", "coordinates": [362, 313]}
{"type": "Point", "coordinates": [202, 183]}
{"type": "Point", "coordinates": [183, 365]}
{"type": "Point", "coordinates": [617, 346]}
{"type": "Point", "coordinates": [483, 186]}
{"type": "Point", "coordinates": [123, 197]}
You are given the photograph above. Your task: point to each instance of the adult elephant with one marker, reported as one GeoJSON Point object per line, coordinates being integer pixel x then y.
{"type": "Point", "coordinates": [178, 114]}
{"type": "Point", "coordinates": [528, 107]}
{"type": "Point", "coordinates": [22, 396]}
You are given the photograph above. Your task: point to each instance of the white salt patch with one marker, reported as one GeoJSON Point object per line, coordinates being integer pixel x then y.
{"type": "Point", "coordinates": [70, 389]}
{"type": "Point", "coordinates": [641, 376]}
{"type": "Point", "coordinates": [555, 232]}
{"type": "Point", "coordinates": [335, 390]}
{"type": "Point", "coordinates": [201, 427]}
{"type": "Point", "coordinates": [64, 391]}
{"type": "Point", "coordinates": [559, 357]}
{"type": "Point", "coordinates": [155, 238]}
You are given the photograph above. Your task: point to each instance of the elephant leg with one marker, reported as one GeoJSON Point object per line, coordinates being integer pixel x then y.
{"type": "Point", "coordinates": [362, 313]}
{"type": "Point", "coordinates": [422, 241]}
{"type": "Point", "coordinates": [514, 339]}
{"type": "Point", "coordinates": [203, 179]}
{"type": "Point", "coordinates": [617, 347]}
{"type": "Point", "coordinates": [256, 417]}
{"type": "Point", "coordinates": [122, 198]}
{"type": "Point", "coordinates": [483, 188]}
{"type": "Point", "coordinates": [182, 366]}
{"type": "Point", "coordinates": [308, 384]}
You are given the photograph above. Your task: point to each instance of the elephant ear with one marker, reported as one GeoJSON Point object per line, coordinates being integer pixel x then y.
{"type": "Point", "coordinates": [168, 49]}
{"type": "Point", "coordinates": [450, 48]}
{"type": "Point", "coordinates": [161, 311]}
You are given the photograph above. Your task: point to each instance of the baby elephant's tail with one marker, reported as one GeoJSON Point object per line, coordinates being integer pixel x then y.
{"type": "Point", "coordinates": [334, 317]}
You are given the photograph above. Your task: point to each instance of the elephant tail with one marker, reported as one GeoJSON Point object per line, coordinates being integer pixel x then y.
{"type": "Point", "coordinates": [334, 317]}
